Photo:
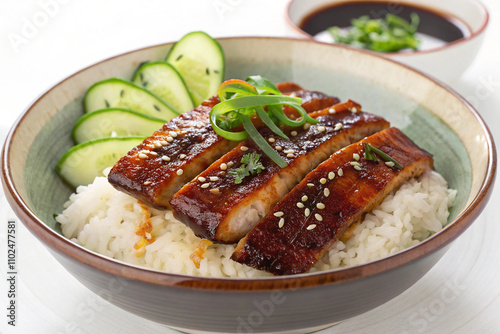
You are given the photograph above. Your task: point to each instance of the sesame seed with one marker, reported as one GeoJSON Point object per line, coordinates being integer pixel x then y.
{"type": "Point", "coordinates": [354, 109]}
{"type": "Point", "coordinates": [182, 156]}
{"type": "Point", "coordinates": [307, 212]}
{"type": "Point", "coordinates": [244, 148]}
{"type": "Point", "coordinates": [357, 167]}
{"type": "Point", "coordinates": [311, 227]}
{"type": "Point", "coordinates": [340, 172]}
{"type": "Point", "coordinates": [279, 214]}
{"type": "Point", "coordinates": [326, 192]}
{"type": "Point", "coordinates": [390, 164]}
{"type": "Point", "coordinates": [304, 198]}
{"type": "Point", "coordinates": [165, 158]}
{"type": "Point", "coordinates": [289, 151]}
{"type": "Point", "coordinates": [322, 181]}
{"type": "Point", "coordinates": [281, 222]}
{"type": "Point", "coordinates": [331, 175]}
{"type": "Point", "coordinates": [153, 153]}
{"type": "Point", "coordinates": [278, 148]}
{"type": "Point", "coordinates": [321, 128]}
{"type": "Point", "coordinates": [223, 166]}
{"type": "Point", "coordinates": [290, 155]}
{"type": "Point", "coordinates": [147, 183]}
{"type": "Point", "coordinates": [213, 178]}
{"type": "Point", "coordinates": [318, 217]}
{"type": "Point", "coordinates": [230, 164]}
{"type": "Point", "coordinates": [170, 139]}
{"type": "Point", "coordinates": [215, 190]}
{"type": "Point", "coordinates": [205, 185]}
{"type": "Point", "coordinates": [201, 179]}
{"type": "Point", "coordinates": [354, 163]}
{"type": "Point", "coordinates": [143, 156]}
{"type": "Point", "coordinates": [163, 142]}
{"type": "Point", "coordinates": [173, 134]}
{"type": "Point", "coordinates": [331, 111]}
{"type": "Point", "coordinates": [338, 126]}
{"type": "Point", "coordinates": [307, 126]}
{"type": "Point", "coordinates": [293, 133]}
{"type": "Point", "coordinates": [180, 172]}
{"type": "Point", "coordinates": [320, 206]}
{"type": "Point", "coordinates": [355, 156]}
{"type": "Point", "coordinates": [310, 184]}
{"type": "Point", "coordinates": [271, 140]}
{"type": "Point", "coordinates": [157, 144]}
{"type": "Point", "coordinates": [300, 205]}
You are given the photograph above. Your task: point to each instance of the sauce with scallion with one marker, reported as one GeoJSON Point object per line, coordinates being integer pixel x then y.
{"type": "Point", "coordinates": [436, 29]}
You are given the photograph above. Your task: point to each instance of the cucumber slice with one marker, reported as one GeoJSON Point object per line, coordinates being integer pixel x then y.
{"type": "Point", "coordinates": [122, 122]}
{"type": "Point", "coordinates": [200, 61]}
{"type": "Point", "coordinates": [83, 162]}
{"type": "Point", "coordinates": [118, 93]}
{"type": "Point", "coordinates": [165, 82]}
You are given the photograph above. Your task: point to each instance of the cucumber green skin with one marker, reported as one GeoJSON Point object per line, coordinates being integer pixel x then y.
{"type": "Point", "coordinates": [80, 165]}
{"type": "Point", "coordinates": [179, 96]}
{"type": "Point", "coordinates": [99, 124]}
{"type": "Point", "coordinates": [92, 100]}
{"type": "Point", "coordinates": [185, 44]}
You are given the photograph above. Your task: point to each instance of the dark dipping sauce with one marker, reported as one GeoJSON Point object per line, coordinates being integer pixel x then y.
{"type": "Point", "coordinates": [441, 26]}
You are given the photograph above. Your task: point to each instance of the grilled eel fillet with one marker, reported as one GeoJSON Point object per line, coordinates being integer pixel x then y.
{"type": "Point", "coordinates": [216, 208]}
{"type": "Point", "coordinates": [304, 224]}
{"type": "Point", "coordinates": [157, 168]}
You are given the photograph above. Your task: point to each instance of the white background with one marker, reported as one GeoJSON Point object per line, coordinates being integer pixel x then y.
{"type": "Point", "coordinates": [461, 294]}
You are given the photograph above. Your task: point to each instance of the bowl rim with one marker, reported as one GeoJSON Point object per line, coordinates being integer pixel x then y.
{"type": "Point", "coordinates": [458, 42]}
{"type": "Point", "coordinates": [70, 250]}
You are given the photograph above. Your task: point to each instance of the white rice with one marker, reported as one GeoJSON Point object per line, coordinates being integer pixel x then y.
{"type": "Point", "coordinates": [104, 220]}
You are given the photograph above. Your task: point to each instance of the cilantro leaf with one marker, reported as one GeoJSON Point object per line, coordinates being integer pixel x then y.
{"type": "Point", "coordinates": [229, 121]}
{"type": "Point", "coordinates": [250, 165]}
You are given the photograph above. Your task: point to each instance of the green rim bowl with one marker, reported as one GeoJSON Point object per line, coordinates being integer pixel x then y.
{"type": "Point", "coordinates": [432, 115]}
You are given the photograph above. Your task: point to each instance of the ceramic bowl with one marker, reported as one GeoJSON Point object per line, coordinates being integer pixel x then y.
{"type": "Point", "coordinates": [446, 62]}
{"type": "Point", "coordinates": [435, 117]}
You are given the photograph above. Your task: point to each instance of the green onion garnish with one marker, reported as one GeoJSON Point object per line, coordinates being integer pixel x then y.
{"type": "Point", "coordinates": [391, 34]}
{"type": "Point", "coordinates": [240, 100]}
{"type": "Point", "coordinates": [372, 152]}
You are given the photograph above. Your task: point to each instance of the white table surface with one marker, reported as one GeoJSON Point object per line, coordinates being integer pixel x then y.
{"type": "Point", "coordinates": [461, 294]}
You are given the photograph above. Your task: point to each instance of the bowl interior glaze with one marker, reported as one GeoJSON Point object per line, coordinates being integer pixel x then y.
{"type": "Point", "coordinates": [432, 115]}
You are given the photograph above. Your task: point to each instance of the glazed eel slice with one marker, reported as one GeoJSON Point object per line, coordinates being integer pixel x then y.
{"type": "Point", "coordinates": [157, 168]}
{"type": "Point", "coordinates": [218, 209]}
{"type": "Point", "coordinates": [304, 224]}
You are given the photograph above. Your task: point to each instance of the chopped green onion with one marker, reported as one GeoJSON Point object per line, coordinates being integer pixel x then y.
{"type": "Point", "coordinates": [371, 152]}
{"type": "Point", "coordinates": [252, 101]}
{"type": "Point", "coordinates": [263, 85]}
{"type": "Point", "coordinates": [240, 100]}
{"type": "Point", "coordinates": [391, 34]}
{"type": "Point", "coordinates": [269, 122]}
{"type": "Point", "coordinates": [261, 141]}
{"type": "Point", "coordinates": [233, 87]}
{"type": "Point", "coordinates": [278, 113]}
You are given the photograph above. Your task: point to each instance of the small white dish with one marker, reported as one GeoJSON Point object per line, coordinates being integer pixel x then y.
{"type": "Point", "coordinates": [444, 62]}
